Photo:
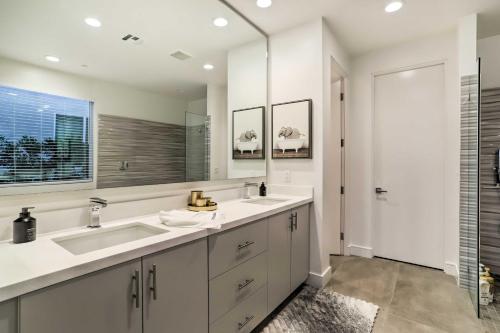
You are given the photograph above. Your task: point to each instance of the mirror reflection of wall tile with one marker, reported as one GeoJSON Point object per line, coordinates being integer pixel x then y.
{"type": "Point", "coordinates": [155, 152]}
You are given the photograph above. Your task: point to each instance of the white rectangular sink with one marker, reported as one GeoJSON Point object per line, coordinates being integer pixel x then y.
{"type": "Point", "coordinates": [265, 201]}
{"type": "Point", "coordinates": [106, 237]}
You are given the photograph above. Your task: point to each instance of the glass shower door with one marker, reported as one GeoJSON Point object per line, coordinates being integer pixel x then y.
{"type": "Point", "coordinates": [197, 147]}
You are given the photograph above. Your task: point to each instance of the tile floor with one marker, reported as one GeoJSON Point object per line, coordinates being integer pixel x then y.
{"type": "Point", "coordinates": [411, 298]}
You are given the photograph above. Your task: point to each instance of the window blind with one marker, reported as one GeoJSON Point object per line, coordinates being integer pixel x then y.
{"type": "Point", "coordinates": [44, 138]}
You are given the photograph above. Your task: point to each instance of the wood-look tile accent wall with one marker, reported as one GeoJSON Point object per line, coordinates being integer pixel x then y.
{"type": "Point", "coordinates": [490, 195]}
{"type": "Point", "coordinates": [156, 152]}
{"type": "Point", "coordinates": [469, 161]}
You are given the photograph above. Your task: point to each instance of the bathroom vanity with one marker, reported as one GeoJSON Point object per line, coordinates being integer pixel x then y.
{"type": "Point", "coordinates": [181, 280]}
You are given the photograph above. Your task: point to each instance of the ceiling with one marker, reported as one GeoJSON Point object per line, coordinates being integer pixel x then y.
{"type": "Point", "coordinates": [363, 25]}
{"type": "Point", "coordinates": [30, 30]}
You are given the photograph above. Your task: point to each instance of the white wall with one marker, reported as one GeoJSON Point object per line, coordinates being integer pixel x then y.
{"type": "Point", "coordinates": [110, 98]}
{"type": "Point", "coordinates": [300, 69]}
{"type": "Point", "coordinates": [467, 49]}
{"type": "Point", "coordinates": [217, 110]}
{"type": "Point", "coordinates": [246, 88]}
{"type": "Point", "coordinates": [489, 52]}
{"type": "Point", "coordinates": [360, 186]}
{"type": "Point", "coordinates": [198, 106]}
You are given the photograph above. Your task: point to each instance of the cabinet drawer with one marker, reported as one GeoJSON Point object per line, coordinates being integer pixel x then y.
{"type": "Point", "coordinates": [233, 247]}
{"type": "Point", "coordinates": [244, 317]}
{"type": "Point", "coordinates": [236, 285]}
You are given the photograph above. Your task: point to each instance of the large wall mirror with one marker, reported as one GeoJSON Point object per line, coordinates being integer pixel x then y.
{"type": "Point", "coordinates": [127, 93]}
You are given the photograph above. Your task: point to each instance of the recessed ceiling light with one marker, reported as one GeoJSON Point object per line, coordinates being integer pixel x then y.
{"type": "Point", "coordinates": [394, 6]}
{"type": "Point", "coordinates": [93, 22]}
{"type": "Point", "coordinates": [264, 3]}
{"type": "Point", "coordinates": [220, 22]}
{"type": "Point", "coordinates": [52, 58]}
{"type": "Point", "coordinates": [208, 67]}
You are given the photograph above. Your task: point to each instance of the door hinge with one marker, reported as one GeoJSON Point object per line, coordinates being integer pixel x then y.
{"type": "Point", "coordinates": [342, 142]}
{"type": "Point", "coordinates": [341, 236]}
{"type": "Point", "coordinates": [342, 190]}
{"type": "Point", "coordinates": [341, 97]}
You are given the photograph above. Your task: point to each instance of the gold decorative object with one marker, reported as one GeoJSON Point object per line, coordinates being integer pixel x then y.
{"type": "Point", "coordinates": [199, 203]}
{"type": "Point", "coordinates": [195, 195]}
{"type": "Point", "coordinates": [203, 209]}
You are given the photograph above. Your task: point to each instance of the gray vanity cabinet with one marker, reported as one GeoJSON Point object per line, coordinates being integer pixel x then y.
{"type": "Point", "coordinates": [8, 316]}
{"type": "Point", "coordinates": [299, 269]}
{"type": "Point", "coordinates": [288, 256]}
{"type": "Point", "coordinates": [176, 289]}
{"type": "Point", "coordinates": [106, 301]}
{"type": "Point", "coordinates": [279, 257]}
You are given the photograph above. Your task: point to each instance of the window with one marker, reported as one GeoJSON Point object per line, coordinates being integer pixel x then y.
{"type": "Point", "coordinates": [44, 139]}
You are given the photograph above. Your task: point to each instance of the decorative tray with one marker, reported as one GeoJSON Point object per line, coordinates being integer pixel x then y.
{"type": "Point", "coordinates": [203, 208]}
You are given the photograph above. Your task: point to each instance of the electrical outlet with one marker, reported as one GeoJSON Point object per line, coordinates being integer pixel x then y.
{"type": "Point", "coordinates": [288, 176]}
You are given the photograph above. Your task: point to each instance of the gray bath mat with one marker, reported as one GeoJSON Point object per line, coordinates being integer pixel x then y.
{"type": "Point", "coordinates": [324, 311]}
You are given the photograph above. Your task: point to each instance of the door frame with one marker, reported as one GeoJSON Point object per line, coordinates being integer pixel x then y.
{"type": "Point", "coordinates": [337, 70]}
{"type": "Point", "coordinates": [374, 224]}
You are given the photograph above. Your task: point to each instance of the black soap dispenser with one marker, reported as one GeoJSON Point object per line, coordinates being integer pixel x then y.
{"type": "Point", "coordinates": [262, 190]}
{"type": "Point", "coordinates": [25, 227]}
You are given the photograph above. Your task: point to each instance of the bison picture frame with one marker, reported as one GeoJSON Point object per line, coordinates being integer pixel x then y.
{"type": "Point", "coordinates": [291, 125]}
{"type": "Point", "coordinates": [248, 134]}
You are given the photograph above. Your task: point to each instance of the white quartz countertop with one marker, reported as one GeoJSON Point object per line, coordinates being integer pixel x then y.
{"type": "Point", "coordinates": [31, 266]}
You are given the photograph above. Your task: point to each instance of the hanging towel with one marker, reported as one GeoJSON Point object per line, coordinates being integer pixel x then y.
{"type": "Point", "coordinates": [188, 219]}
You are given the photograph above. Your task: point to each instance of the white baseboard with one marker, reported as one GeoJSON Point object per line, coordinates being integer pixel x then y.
{"type": "Point", "coordinates": [451, 268]}
{"type": "Point", "coordinates": [360, 251]}
{"type": "Point", "coordinates": [320, 280]}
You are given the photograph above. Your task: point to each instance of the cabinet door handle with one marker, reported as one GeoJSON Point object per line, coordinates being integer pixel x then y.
{"type": "Point", "coordinates": [245, 283]}
{"type": "Point", "coordinates": [295, 221]}
{"type": "Point", "coordinates": [243, 324]}
{"type": "Point", "coordinates": [152, 273]}
{"type": "Point", "coordinates": [246, 244]}
{"type": "Point", "coordinates": [135, 294]}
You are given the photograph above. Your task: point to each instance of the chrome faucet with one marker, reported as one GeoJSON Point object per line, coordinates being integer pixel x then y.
{"type": "Point", "coordinates": [96, 204]}
{"type": "Point", "coordinates": [247, 185]}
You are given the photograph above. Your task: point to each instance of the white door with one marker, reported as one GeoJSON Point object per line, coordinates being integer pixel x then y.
{"type": "Point", "coordinates": [409, 133]}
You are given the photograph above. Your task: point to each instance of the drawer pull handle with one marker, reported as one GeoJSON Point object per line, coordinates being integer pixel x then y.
{"type": "Point", "coordinates": [245, 283]}
{"type": "Point", "coordinates": [243, 324]}
{"type": "Point", "coordinates": [153, 289]}
{"type": "Point", "coordinates": [246, 244]}
{"type": "Point", "coordinates": [135, 294]}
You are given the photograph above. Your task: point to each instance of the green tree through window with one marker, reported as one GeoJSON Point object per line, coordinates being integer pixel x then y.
{"type": "Point", "coordinates": [43, 138]}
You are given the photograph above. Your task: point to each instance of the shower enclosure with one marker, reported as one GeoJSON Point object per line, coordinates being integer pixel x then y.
{"type": "Point", "coordinates": [197, 147]}
{"type": "Point", "coordinates": [470, 185]}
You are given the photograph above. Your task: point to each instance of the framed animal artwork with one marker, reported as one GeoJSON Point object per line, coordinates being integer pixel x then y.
{"type": "Point", "coordinates": [249, 134]}
{"type": "Point", "coordinates": [292, 129]}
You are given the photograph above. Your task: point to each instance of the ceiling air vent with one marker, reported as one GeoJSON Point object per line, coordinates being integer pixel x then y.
{"type": "Point", "coordinates": [132, 38]}
{"type": "Point", "coordinates": [181, 55]}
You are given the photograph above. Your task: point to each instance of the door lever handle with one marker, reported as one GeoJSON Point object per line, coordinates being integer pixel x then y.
{"type": "Point", "coordinates": [380, 190]}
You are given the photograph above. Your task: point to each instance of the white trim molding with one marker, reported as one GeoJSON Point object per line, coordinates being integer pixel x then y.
{"type": "Point", "coordinates": [451, 268]}
{"type": "Point", "coordinates": [320, 280]}
{"type": "Point", "coordinates": [360, 251]}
